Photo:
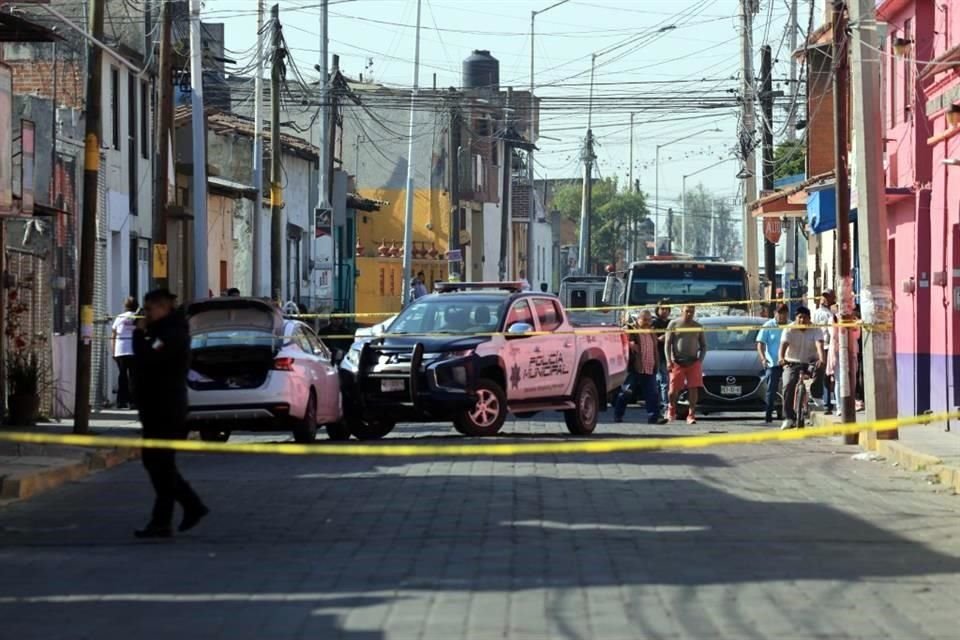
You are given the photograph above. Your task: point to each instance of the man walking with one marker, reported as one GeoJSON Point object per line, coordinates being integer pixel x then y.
{"type": "Point", "coordinates": [686, 348]}
{"type": "Point", "coordinates": [123, 326]}
{"type": "Point", "coordinates": [642, 376]}
{"type": "Point", "coordinates": [660, 322]}
{"type": "Point", "coordinates": [417, 287]}
{"type": "Point", "coordinates": [161, 348]}
{"type": "Point", "coordinates": [768, 348]}
{"type": "Point", "coordinates": [823, 318]}
{"type": "Point", "coordinates": [800, 345]}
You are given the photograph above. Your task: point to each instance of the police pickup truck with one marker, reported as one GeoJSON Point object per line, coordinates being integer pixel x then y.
{"type": "Point", "coordinates": [473, 352]}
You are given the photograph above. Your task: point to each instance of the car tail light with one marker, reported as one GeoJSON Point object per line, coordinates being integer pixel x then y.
{"type": "Point", "coordinates": [283, 364]}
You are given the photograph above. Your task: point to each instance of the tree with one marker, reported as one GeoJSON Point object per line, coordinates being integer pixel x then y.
{"type": "Point", "coordinates": [789, 159]}
{"type": "Point", "coordinates": [711, 227]}
{"type": "Point", "coordinates": [614, 214]}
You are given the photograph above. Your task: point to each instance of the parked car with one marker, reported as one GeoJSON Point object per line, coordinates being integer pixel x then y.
{"type": "Point", "coordinates": [733, 378]}
{"type": "Point", "coordinates": [475, 352]}
{"type": "Point", "coordinates": [252, 369]}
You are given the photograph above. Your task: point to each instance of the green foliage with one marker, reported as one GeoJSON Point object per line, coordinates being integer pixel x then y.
{"type": "Point", "coordinates": [707, 215]}
{"type": "Point", "coordinates": [789, 159]}
{"type": "Point", "coordinates": [612, 214]}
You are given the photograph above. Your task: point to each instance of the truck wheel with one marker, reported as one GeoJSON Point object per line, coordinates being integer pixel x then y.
{"type": "Point", "coordinates": [338, 431]}
{"type": "Point", "coordinates": [486, 417]}
{"type": "Point", "coordinates": [306, 431]}
{"type": "Point", "coordinates": [369, 429]}
{"type": "Point", "coordinates": [582, 419]}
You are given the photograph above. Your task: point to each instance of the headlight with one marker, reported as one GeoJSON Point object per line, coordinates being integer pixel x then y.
{"type": "Point", "coordinates": [353, 356]}
{"type": "Point", "coordinates": [451, 355]}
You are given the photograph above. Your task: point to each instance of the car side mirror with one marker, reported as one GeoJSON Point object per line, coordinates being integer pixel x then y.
{"type": "Point", "coordinates": [518, 329]}
{"type": "Point", "coordinates": [337, 356]}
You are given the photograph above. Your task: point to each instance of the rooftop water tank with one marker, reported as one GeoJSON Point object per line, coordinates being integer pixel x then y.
{"type": "Point", "coordinates": [481, 71]}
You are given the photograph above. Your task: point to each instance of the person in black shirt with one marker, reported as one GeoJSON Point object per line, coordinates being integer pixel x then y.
{"type": "Point", "coordinates": [161, 359]}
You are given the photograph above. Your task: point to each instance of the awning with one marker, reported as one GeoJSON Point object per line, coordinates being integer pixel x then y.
{"type": "Point", "coordinates": [790, 202]}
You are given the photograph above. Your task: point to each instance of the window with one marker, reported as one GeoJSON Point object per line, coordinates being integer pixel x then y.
{"type": "Point", "coordinates": [548, 314]}
{"type": "Point", "coordinates": [519, 312]}
{"type": "Point", "coordinates": [144, 120]}
{"type": "Point", "coordinates": [115, 107]}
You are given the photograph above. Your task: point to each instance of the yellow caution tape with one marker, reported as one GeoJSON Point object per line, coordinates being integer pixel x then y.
{"type": "Point", "coordinates": [477, 449]}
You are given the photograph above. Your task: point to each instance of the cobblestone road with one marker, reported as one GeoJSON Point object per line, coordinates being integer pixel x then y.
{"type": "Point", "coordinates": [774, 541]}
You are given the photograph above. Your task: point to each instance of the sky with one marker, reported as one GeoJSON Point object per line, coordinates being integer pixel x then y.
{"type": "Point", "coordinates": [662, 59]}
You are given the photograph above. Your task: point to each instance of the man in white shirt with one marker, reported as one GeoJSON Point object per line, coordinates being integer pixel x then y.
{"type": "Point", "coordinates": [801, 345]}
{"type": "Point", "coordinates": [122, 331]}
{"type": "Point", "coordinates": [823, 318]}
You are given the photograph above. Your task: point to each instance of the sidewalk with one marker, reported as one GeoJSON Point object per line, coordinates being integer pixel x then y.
{"type": "Point", "coordinates": [930, 448]}
{"type": "Point", "coordinates": [29, 469]}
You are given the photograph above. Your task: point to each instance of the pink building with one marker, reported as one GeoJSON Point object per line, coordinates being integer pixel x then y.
{"type": "Point", "coordinates": [921, 76]}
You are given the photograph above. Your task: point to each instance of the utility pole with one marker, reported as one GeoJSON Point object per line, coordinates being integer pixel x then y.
{"type": "Point", "coordinates": [453, 241]}
{"type": "Point", "coordinates": [257, 253]}
{"type": "Point", "coordinates": [670, 230]}
{"type": "Point", "coordinates": [841, 128]}
{"type": "Point", "coordinates": [408, 205]}
{"type": "Point", "coordinates": [162, 139]}
{"type": "Point", "coordinates": [505, 185]}
{"type": "Point", "coordinates": [88, 229]}
{"type": "Point", "coordinates": [201, 281]}
{"type": "Point", "coordinates": [747, 133]}
{"type": "Point", "coordinates": [876, 297]}
{"type": "Point", "coordinates": [766, 102]}
{"type": "Point", "coordinates": [587, 157]}
{"type": "Point", "coordinates": [323, 199]}
{"type": "Point", "coordinates": [713, 228]}
{"type": "Point", "coordinates": [276, 177]}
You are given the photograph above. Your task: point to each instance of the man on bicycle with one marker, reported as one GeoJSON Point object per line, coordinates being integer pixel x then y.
{"type": "Point", "coordinates": [801, 345]}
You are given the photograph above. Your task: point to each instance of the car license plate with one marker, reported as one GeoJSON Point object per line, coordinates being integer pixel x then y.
{"type": "Point", "coordinates": [390, 386]}
{"type": "Point", "coordinates": [730, 389]}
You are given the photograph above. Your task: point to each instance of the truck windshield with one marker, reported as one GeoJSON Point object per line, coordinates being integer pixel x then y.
{"type": "Point", "coordinates": [448, 315]}
{"type": "Point", "coordinates": [722, 340]}
{"type": "Point", "coordinates": [687, 282]}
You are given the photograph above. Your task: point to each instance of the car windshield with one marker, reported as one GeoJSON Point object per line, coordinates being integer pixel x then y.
{"type": "Point", "coordinates": [719, 339]}
{"type": "Point", "coordinates": [232, 338]}
{"type": "Point", "coordinates": [448, 315]}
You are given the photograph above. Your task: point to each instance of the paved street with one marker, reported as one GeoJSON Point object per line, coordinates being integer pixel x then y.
{"type": "Point", "coordinates": [785, 541]}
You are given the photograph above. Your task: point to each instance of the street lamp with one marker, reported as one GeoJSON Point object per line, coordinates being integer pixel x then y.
{"type": "Point", "coordinates": [683, 202]}
{"type": "Point", "coordinates": [656, 197]}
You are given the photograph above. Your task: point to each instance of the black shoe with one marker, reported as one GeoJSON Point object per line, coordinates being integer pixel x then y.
{"type": "Point", "coordinates": [154, 531]}
{"type": "Point", "coordinates": [618, 419]}
{"type": "Point", "coordinates": [192, 517]}
{"type": "Point", "coordinates": [657, 420]}
{"type": "Point", "coordinates": [767, 419]}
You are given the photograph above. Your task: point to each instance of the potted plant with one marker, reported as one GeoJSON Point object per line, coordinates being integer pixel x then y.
{"type": "Point", "coordinates": [23, 366]}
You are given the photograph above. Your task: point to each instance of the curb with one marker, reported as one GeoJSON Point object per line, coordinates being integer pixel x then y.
{"type": "Point", "coordinates": [907, 458]}
{"type": "Point", "coordinates": [25, 484]}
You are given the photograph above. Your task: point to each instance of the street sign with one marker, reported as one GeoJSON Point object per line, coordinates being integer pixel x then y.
{"type": "Point", "coordinates": [772, 229]}
{"type": "Point", "coordinates": [455, 255]}
{"type": "Point", "coordinates": [324, 222]}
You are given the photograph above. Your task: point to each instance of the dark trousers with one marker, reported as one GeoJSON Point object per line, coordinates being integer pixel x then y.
{"type": "Point", "coordinates": [772, 378]}
{"type": "Point", "coordinates": [124, 381]}
{"type": "Point", "coordinates": [791, 378]}
{"type": "Point", "coordinates": [161, 465]}
{"type": "Point", "coordinates": [640, 384]}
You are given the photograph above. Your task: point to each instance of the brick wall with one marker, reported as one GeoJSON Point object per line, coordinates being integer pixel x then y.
{"type": "Point", "coordinates": [35, 77]}
{"type": "Point", "coordinates": [520, 207]}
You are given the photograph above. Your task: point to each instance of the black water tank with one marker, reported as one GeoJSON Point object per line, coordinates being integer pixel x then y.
{"type": "Point", "coordinates": [481, 71]}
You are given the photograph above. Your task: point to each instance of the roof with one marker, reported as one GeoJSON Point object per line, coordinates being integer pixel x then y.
{"type": "Point", "coordinates": [223, 122]}
{"type": "Point", "coordinates": [231, 187]}
{"type": "Point", "coordinates": [361, 203]}
{"type": "Point", "coordinates": [15, 28]}
{"type": "Point", "coordinates": [757, 206]}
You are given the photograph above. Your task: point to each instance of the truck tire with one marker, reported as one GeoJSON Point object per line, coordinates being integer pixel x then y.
{"type": "Point", "coordinates": [582, 419]}
{"type": "Point", "coordinates": [487, 416]}
{"type": "Point", "coordinates": [369, 429]}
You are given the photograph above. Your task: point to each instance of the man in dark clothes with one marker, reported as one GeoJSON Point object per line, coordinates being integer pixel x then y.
{"type": "Point", "coordinates": [161, 352]}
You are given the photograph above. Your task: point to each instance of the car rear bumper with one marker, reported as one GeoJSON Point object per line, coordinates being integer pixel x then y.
{"type": "Point", "coordinates": [241, 417]}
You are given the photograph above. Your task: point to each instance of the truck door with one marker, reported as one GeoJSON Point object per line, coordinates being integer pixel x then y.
{"type": "Point", "coordinates": [553, 358]}
{"type": "Point", "coordinates": [519, 349]}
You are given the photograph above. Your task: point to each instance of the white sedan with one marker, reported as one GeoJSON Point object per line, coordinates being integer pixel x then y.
{"type": "Point", "coordinates": [252, 369]}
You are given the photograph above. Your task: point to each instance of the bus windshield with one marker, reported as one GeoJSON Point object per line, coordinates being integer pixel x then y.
{"type": "Point", "coordinates": [687, 282]}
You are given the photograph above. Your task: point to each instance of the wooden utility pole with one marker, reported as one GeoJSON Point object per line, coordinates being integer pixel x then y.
{"type": "Point", "coordinates": [505, 185]}
{"type": "Point", "coordinates": [455, 133]}
{"type": "Point", "coordinates": [88, 224]}
{"type": "Point", "coordinates": [750, 259]}
{"type": "Point", "coordinates": [766, 104]}
{"type": "Point", "coordinates": [876, 297]}
{"type": "Point", "coordinates": [162, 140]}
{"type": "Point", "coordinates": [841, 128]}
{"type": "Point", "coordinates": [276, 177]}
{"type": "Point", "coordinates": [257, 218]}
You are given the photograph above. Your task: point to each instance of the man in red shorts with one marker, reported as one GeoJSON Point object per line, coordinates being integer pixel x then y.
{"type": "Point", "coordinates": [686, 347]}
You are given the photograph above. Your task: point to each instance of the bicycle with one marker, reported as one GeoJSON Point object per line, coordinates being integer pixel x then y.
{"type": "Point", "coordinates": [801, 396]}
